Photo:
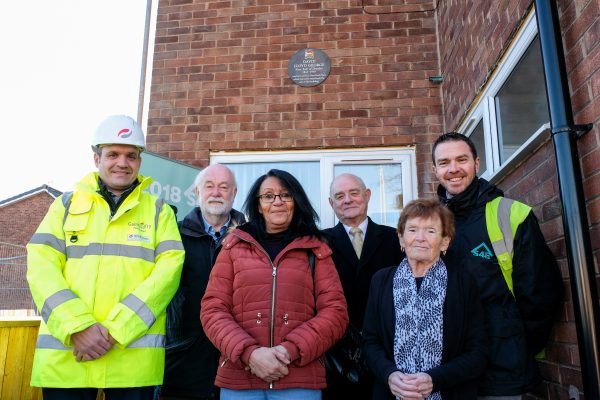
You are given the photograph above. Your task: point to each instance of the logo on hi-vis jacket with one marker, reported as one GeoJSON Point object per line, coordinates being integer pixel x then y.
{"type": "Point", "coordinates": [482, 251]}
{"type": "Point", "coordinates": [140, 226]}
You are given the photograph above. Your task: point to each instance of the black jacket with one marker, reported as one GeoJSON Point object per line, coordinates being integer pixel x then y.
{"type": "Point", "coordinates": [191, 360]}
{"type": "Point", "coordinates": [464, 350]}
{"type": "Point", "coordinates": [517, 329]}
{"type": "Point", "coordinates": [381, 249]}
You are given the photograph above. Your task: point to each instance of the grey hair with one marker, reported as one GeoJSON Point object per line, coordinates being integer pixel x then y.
{"type": "Point", "coordinates": [361, 183]}
{"type": "Point", "coordinates": [200, 176]}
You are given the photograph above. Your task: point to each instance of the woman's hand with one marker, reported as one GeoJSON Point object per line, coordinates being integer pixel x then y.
{"type": "Point", "coordinates": [405, 386]}
{"type": "Point", "coordinates": [282, 354]}
{"type": "Point", "coordinates": [422, 381]}
{"type": "Point", "coordinates": [267, 364]}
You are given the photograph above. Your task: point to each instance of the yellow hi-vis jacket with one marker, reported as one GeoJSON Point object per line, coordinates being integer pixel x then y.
{"type": "Point", "coordinates": [84, 267]}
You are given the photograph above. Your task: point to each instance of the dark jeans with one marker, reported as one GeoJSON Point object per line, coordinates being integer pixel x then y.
{"type": "Point", "coordinates": [137, 393]}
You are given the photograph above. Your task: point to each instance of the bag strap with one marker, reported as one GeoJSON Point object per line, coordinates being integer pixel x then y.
{"type": "Point", "coordinates": [311, 264]}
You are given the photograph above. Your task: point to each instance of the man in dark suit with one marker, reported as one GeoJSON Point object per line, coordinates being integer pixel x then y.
{"type": "Point", "coordinates": [360, 248]}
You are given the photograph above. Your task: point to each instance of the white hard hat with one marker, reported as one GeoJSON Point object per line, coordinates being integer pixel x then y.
{"type": "Point", "coordinates": [119, 129]}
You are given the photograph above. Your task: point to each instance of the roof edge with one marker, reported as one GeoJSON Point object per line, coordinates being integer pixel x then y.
{"type": "Point", "coordinates": [54, 193]}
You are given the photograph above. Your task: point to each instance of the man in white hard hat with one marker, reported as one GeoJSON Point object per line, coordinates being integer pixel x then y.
{"type": "Point", "coordinates": [102, 267]}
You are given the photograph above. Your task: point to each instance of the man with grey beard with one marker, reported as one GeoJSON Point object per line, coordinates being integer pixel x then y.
{"type": "Point", "coordinates": [191, 360]}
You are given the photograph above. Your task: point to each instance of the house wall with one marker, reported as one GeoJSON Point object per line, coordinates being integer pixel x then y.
{"type": "Point", "coordinates": [220, 79]}
{"type": "Point", "coordinates": [469, 50]}
{"type": "Point", "coordinates": [220, 83]}
{"type": "Point", "coordinates": [20, 219]}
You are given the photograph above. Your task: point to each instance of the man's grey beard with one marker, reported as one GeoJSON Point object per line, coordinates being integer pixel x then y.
{"type": "Point", "coordinates": [223, 208]}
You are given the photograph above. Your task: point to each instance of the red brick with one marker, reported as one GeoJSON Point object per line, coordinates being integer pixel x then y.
{"type": "Point", "coordinates": [377, 93]}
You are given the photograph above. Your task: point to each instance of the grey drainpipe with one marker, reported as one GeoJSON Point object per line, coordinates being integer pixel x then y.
{"type": "Point", "coordinates": [579, 249]}
{"type": "Point", "coordinates": [142, 91]}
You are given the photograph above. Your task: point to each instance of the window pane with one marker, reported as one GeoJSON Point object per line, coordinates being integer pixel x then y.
{"type": "Point", "coordinates": [385, 182]}
{"type": "Point", "coordinates": [478, 139]}
{"type": "Point", "coordinates": [307, 173]}
{"type": "Point", "coordinates": [521, 105]}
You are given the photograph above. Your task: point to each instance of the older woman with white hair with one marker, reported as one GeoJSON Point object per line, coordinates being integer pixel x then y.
{"type": "Point", "coordinates": [424, 327]}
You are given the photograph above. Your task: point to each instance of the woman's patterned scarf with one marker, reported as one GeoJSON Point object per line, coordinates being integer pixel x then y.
{"type": "Point", "coordinates": [418, 340]}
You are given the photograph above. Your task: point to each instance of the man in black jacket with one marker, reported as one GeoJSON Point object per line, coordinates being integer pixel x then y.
{"type": "Point", "coordinates": [357, 256]}
{"type": "Point", "coordinates": [191, 359]}
{"type": "Point", "coordinates": [518, 326]}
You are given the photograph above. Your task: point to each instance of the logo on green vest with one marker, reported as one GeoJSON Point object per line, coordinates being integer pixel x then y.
{"type": "Point", "coordinates": [482, 251]}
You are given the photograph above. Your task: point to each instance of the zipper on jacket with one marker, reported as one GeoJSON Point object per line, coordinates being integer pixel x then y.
{"type": "Point", "coordinates": [274, 284]}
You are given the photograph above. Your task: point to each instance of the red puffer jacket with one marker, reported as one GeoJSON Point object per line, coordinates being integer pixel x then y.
{"type": "Point", "coordinates": [238, 303]}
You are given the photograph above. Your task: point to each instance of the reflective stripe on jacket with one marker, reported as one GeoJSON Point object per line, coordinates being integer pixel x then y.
{"type": "Point", "coordinates": [85, 267]}
{"type": "Point", "coordinates": [518, 326]}
{"type": "Point", "coordinates": [503, 216]}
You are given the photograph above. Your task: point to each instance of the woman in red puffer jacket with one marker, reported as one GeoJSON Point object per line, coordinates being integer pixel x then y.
{"type": "Point", "coordinates": [270, 313]}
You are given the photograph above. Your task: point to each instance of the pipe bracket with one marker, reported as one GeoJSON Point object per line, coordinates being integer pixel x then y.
{"type": "Point", "coordinates": [581, 130]}
{"type": "Point", "coordinates": [577, 130]}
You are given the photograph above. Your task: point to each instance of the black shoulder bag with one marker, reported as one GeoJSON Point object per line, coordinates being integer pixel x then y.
{"type": "Point", "coordinates": [344, 360]}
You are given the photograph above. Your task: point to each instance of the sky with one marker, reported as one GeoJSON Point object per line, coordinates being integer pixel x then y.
{"type": "Point", "coordinates": [66, 65]}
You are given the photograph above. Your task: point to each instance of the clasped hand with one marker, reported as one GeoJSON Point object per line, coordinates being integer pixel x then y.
{"type": "Point", "coordinates": [410, 386]}
{"type": "Point", "coordinates": [92, 343]}
{"type": "Point", "coordinates": [269, 363]}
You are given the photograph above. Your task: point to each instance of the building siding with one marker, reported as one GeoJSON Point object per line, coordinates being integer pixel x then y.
{"type": "Point", "coordinates": [220, 83]}
{"type": "Point", "coordinates": [220, 78]}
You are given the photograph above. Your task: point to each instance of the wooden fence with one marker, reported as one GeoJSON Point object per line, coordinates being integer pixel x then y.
{"type": "Point", "coordinates": [17, 344]}
{"type": "Point", "coordinates": [18, 335]}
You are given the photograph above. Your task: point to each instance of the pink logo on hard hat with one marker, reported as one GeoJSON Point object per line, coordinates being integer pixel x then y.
{"type": "Point", "coordinates": [124, 133]}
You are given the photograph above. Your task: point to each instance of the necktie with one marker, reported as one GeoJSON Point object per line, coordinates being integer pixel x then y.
{"type": "Point", "coordinates": [357, 240]}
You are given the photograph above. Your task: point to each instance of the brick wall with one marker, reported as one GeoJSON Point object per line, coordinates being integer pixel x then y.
{"type": "Point", "coordinates": [580, 25]}
{"type": "Point", "coordinates": [20, 219]}
{"type": "Point", "coordinates": [472, 36]}
{"type": "Point", "coordinates": [220, 78]}
{"type": "Point", "coordinates": [468, 53]}
{"type": "Point", "coordinates": [220, 83]}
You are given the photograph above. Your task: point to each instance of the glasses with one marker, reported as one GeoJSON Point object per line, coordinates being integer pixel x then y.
{"type": "Point", "coordinates": [270, 197]}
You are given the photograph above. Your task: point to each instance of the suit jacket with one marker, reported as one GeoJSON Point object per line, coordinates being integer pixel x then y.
{"type": "Point", "coordinates": [381, 249]}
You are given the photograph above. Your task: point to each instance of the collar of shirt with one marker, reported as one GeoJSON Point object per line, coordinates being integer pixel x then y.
{"type": "Point", "coordinates": [208, 228]}
{"type": "Point", "coordinates": [362, 226]}
{"type": "Point", "coordinates": [113, 200]}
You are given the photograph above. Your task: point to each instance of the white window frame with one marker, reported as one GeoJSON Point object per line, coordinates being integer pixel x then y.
{"type": "Point", "coordinates": [328, 159]}
{"type": "Point", "coordinates": [484, 108]}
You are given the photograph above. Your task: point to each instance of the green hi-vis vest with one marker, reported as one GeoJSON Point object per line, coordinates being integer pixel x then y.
{"type": "Point", "coordinates": [502, 218]}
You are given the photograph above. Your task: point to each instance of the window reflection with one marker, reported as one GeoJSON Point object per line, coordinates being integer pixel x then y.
{"type": "Point", "coordinates": [477, 137]}
{"type": "Point", "coordinates": [385, 182]}
{"type": "Point", "coordinates": [521, 105]}
{"type": "Point", "coordinates": [307, 173]}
